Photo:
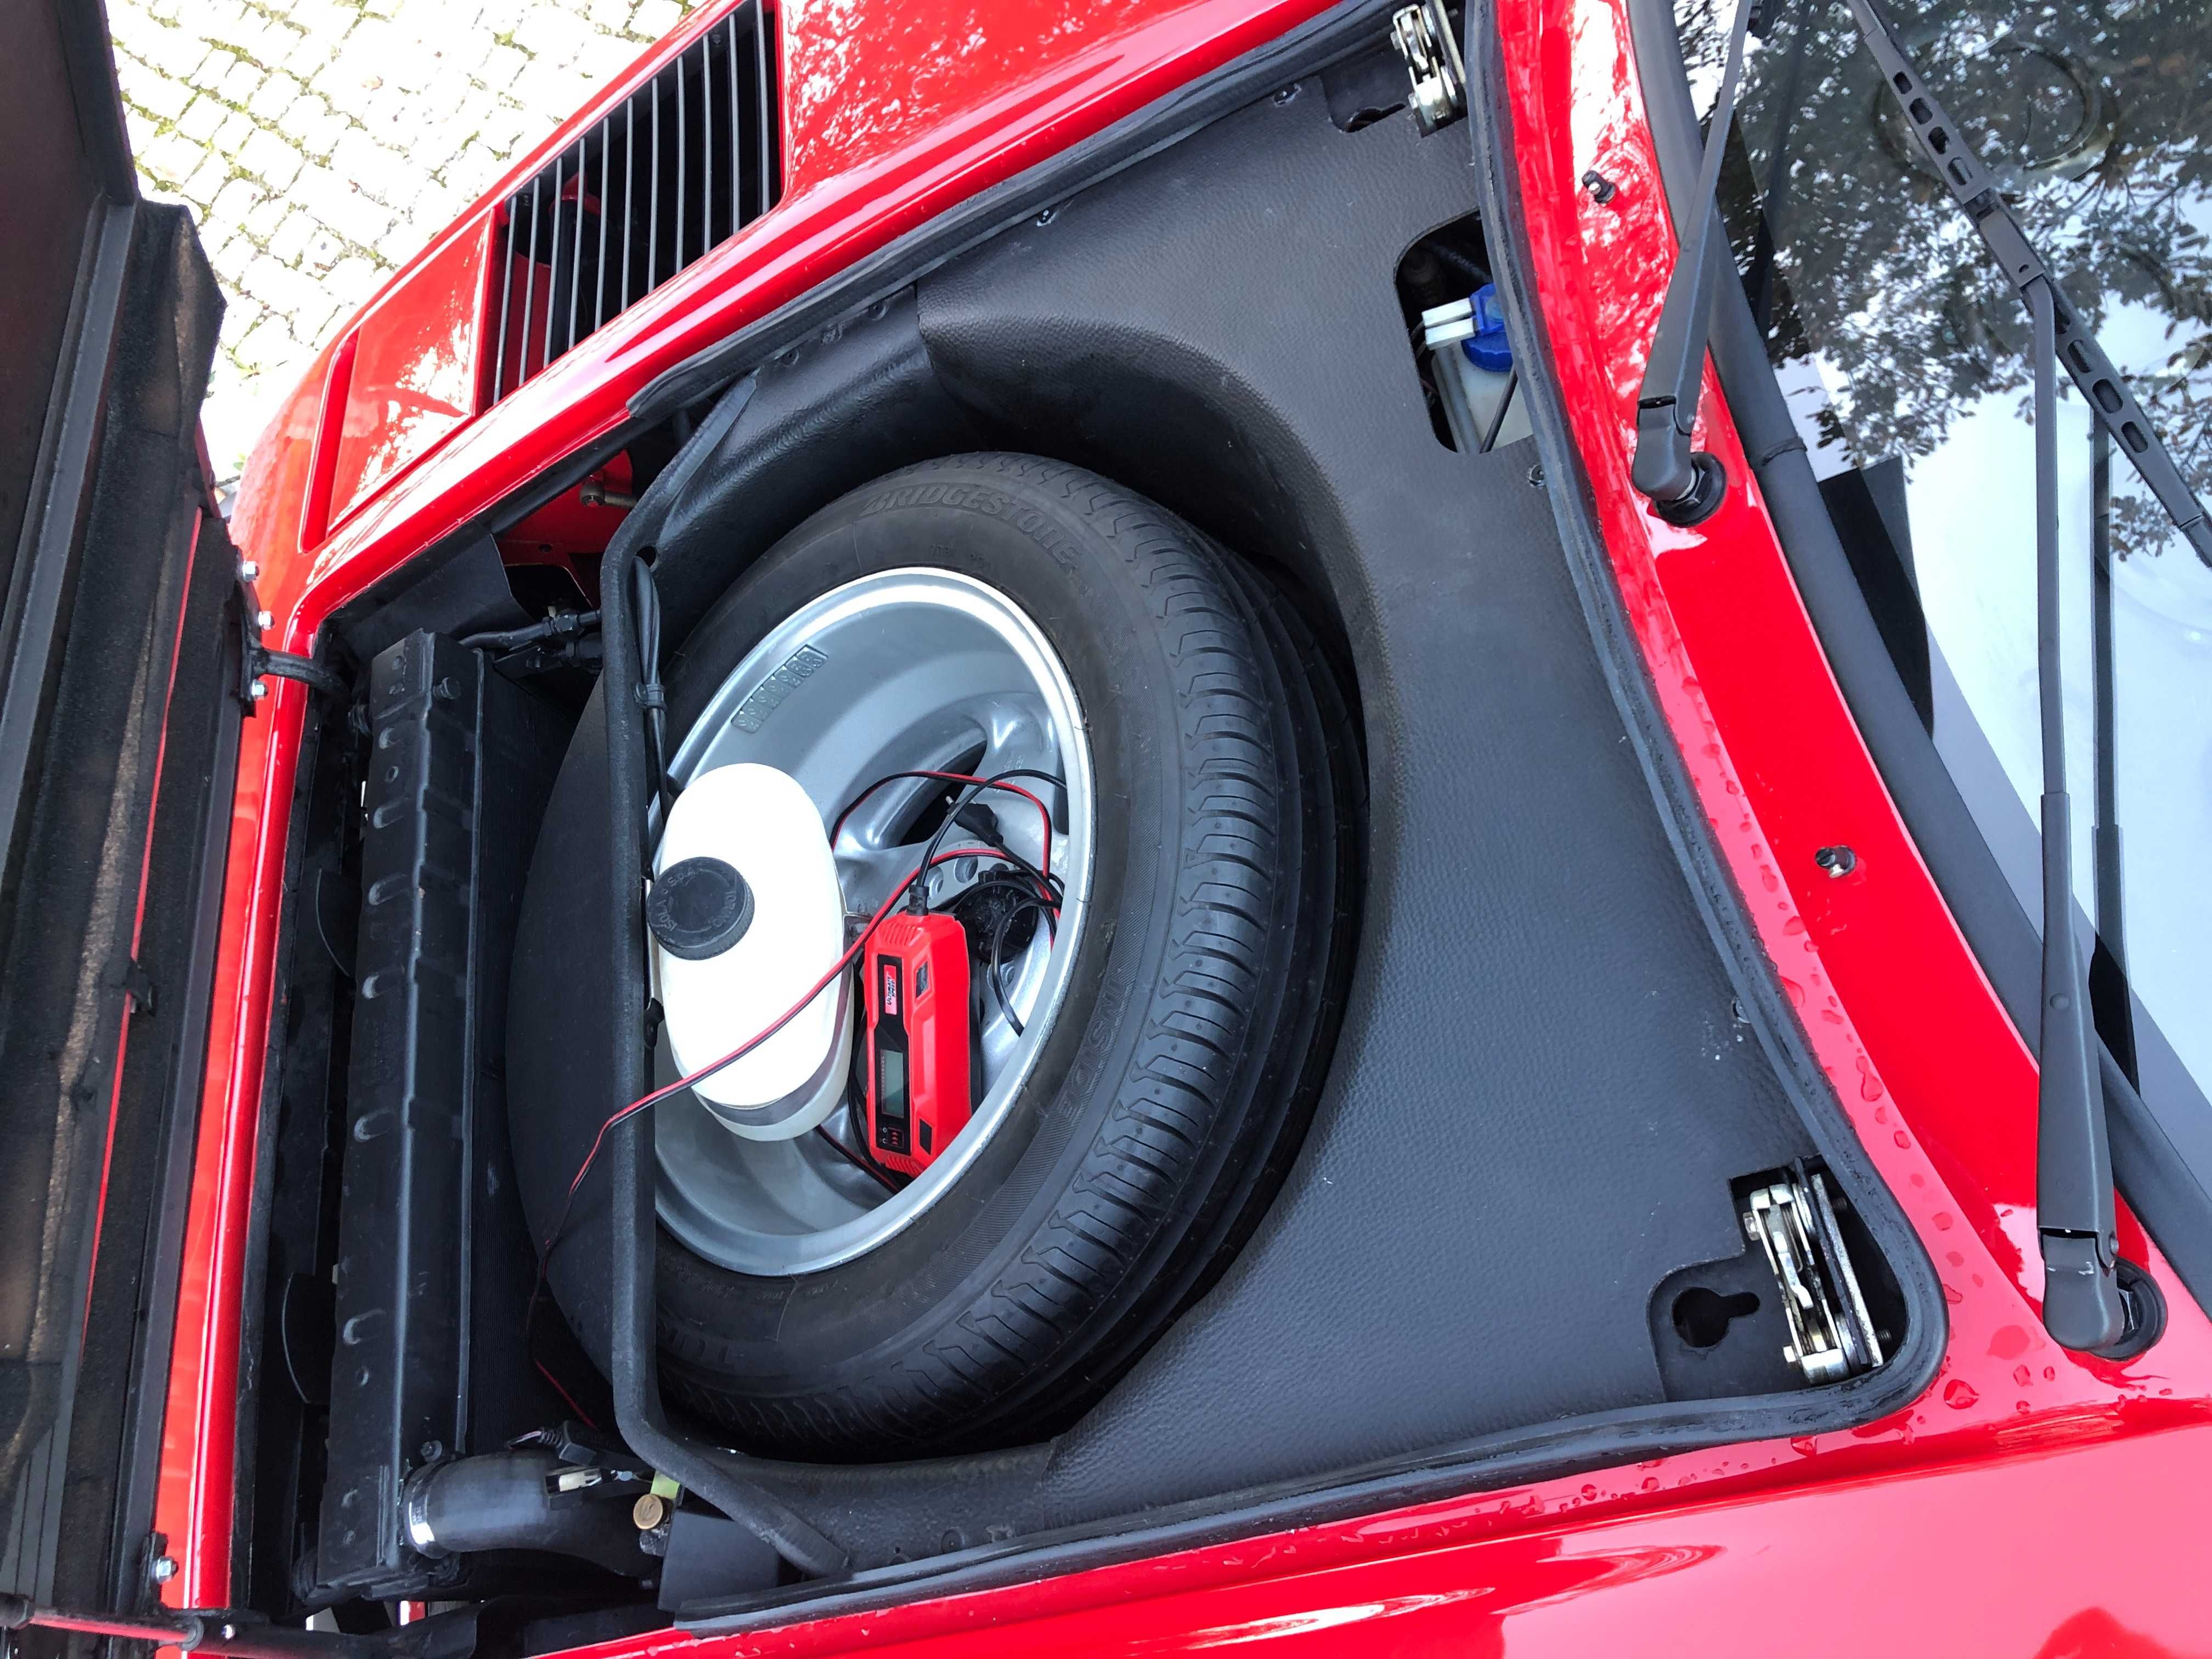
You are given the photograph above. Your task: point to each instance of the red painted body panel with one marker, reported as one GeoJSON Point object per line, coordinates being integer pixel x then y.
{"type": "Point", "coordinates": [414, 369]}
{"type": "Point", "coordinates": [1937, 1530]}
{"type": "Point", "coordinates": [902, 141]}
{"type": "Point", "coordinates": [1953, 1559]}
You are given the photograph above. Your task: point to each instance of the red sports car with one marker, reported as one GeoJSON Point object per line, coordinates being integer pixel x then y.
{"type": "Point", "coordinates": [1135, 825]}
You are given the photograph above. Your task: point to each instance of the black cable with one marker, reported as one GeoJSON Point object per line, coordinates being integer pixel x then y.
{"type": "Point", "coordinates": [920, 897]}
{"type": "Point", "coordinates": [1024, 898]}
{"type": "Point", "coordinates": [998, 843]}
{"type": "Point", "coordinates": [562, 624]}
{"type": "Point", "coordinates": [976, 785]}
{"type": "Point", "coordinates": [650, 695]}
{"type": "Point", "coordinates": [856, 1160]}
{"type": "Point", "coordinates": [1060, 818]}
{"type": "Point", "coordinates": [1029, 901]}
{"type": "Point", "coordinates": [1498, 421]}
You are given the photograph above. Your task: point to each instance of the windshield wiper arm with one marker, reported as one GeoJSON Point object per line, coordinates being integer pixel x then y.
{"type": "Point", "coordinates": [1685, 487]}
{"type": "Point", "coordinates": [2074, 1213]}
{"type": "Point", "coordinates": [2083, 1305]}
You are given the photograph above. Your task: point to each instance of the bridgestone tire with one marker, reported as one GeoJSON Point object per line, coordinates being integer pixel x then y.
{"type": "Point", "coordinates": [1177, 1080]}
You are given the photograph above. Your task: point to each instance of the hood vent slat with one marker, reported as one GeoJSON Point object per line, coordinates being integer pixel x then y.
{"type": "Point", "coordinates": [677, 168]}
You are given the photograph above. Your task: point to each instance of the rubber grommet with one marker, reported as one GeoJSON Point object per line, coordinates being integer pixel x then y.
{"type": "Point", "coordinates": [2146, 1306]}
{"type": "Point", "coordinates": [1708, 489]}
{"type": "Point", "coordinates": [698, 908]}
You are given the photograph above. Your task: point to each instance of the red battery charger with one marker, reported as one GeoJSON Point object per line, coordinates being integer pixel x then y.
{"type": "Point", "coordinates": [918, 1039]}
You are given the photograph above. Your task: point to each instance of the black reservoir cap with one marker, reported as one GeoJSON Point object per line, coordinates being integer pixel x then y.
{"type": "Point", "coordinates": [699, 909]}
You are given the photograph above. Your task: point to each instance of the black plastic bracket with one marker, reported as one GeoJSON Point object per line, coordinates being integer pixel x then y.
{"type": "Point", "coordinates": [396, 1381]}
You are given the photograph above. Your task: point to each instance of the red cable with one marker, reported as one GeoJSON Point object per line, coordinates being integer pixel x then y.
{"type": "Point", "coordinates": [1044, 865]}
{"type": "Point", "coordinates": [656, 1095]}
{"type": "Point", "coordinates": [566, 1398]}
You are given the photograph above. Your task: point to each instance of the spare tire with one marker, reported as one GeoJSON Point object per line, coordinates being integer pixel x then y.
{"type": "Point", "coordinates": [1157, 1112]}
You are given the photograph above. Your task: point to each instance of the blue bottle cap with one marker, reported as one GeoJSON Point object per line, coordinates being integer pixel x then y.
{"type": "Point", "coordinates": [1487, 347]}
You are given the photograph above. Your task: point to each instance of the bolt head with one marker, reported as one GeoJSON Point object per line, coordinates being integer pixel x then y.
{"type": "Point", "coordinates": [248, 570]}
{"type": "Point", "coordinates": [1838, 861]}
{"type": "Point", "coordinates": [264, 620]}
{"type": "Point", "coordinates": [163, 1569]}
{"type": "Point", "coordinates": [257, 689]}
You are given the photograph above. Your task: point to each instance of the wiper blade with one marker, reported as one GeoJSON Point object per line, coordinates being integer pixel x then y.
{"type": "Point", "coordinates": [1951, 155]}
{"type": "Point", "coordinates": [2083, 1305]}
{"type": "Point", "coordinates": [1685, 487]}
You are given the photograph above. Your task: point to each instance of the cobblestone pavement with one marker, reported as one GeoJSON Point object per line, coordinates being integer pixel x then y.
{"type": "Point", "coordinates": [321, 142]}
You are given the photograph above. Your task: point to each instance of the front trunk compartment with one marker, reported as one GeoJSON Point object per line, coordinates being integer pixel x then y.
{"type": "Point", "coordinates": [1512, 1242]}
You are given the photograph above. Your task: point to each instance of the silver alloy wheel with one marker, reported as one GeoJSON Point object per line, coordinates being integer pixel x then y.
{"type": "Point", "coordinates": [909, 670]}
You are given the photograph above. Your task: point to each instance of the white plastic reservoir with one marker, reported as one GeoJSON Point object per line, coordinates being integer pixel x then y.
{"type": "Point", "coordinates": [758, 821]}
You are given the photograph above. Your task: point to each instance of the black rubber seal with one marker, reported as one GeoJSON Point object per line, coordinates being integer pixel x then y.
{"type": "Point", "coordinates": [699, 909]}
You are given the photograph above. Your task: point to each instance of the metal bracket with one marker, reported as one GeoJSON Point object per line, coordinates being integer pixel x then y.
{"type": "Point", "coordinates": [257, 664]}
{"type": "Point", "coordinates": [137, 986]}
{"type": "Point", "coordinates": [1832, 1336]}
{"type": "Point", "coordinates": [1423, 35]}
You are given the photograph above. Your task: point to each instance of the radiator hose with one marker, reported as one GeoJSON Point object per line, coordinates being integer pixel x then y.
{"type": "Point", "coordinates": [511, 1501]}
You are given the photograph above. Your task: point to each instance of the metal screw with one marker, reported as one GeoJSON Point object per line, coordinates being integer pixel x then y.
{"type": "Point", "coordinates": [431, 1450]}
{"type": "Point", "coordinates": [163, 1569]}
{"type": "Point", "coordinates": [248, 570]}
{"type": "Point", "coordinates": [264, 620]}
{"type": "Point", "coordinates": [649, 1511]}
{"type": "Point", "coordinates": [1286, 93]}
{"type": "Point", "coordinates": [227, 1633]}
{"type": "Point", "coordinates": [1838, 861]}
{"type": "Point", "coordinates": [1047, 215]}
{"type": "Point", "coordinates": [1536, 477]}
{"type": "Point", "coordinates": [1601, 189]}
{"type": "Point", "coordinates": [257, 689]}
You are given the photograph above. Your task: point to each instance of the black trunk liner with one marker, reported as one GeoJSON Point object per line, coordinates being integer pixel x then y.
{"type": "Point", "coordinates": [1547, 1078]}
{"type": "Point", "coordinates": [1540, 1093]}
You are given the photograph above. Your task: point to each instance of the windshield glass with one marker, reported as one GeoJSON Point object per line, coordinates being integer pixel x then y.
{"type": "Point", "coordinates": [1904, 358]}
